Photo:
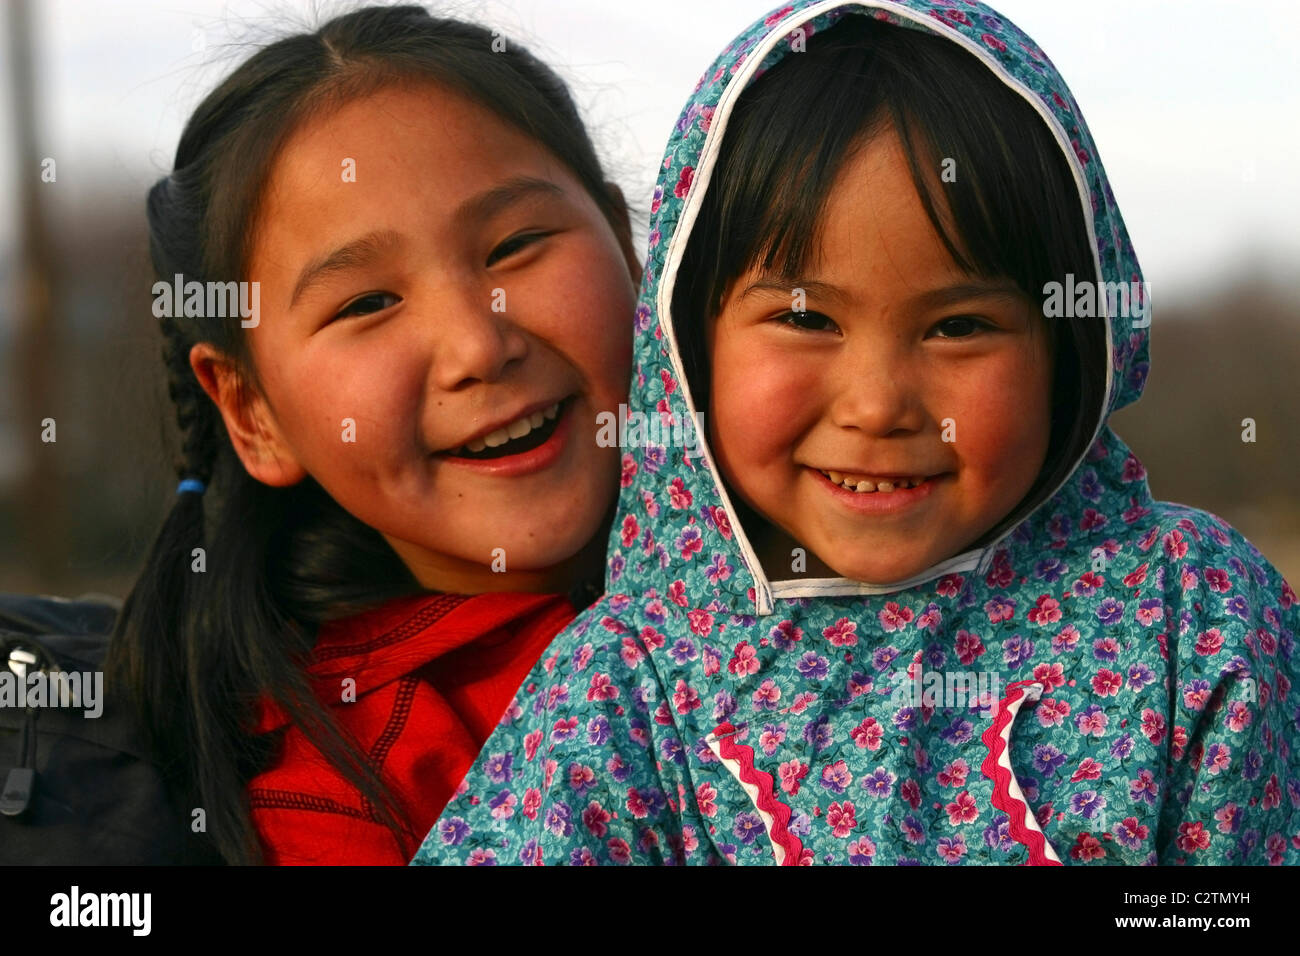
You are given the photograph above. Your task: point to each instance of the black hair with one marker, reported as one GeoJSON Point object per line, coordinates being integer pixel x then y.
{"type": "Point", "coordinates": [1014, 208]}
{"type": "Point", "coordinates": [198, 652]}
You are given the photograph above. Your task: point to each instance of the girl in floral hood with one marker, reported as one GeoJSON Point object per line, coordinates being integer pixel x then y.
{"type": "Point", "coordinates": [913, 601]}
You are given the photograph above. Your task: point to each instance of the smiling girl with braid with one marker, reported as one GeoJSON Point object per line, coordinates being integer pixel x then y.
{"type": "Point", "coordinates": [389, 470]}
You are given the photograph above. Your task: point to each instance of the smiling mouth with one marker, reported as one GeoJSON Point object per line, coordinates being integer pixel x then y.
{"type": "Point", "coordinates": [863, 484]}
{"type": "Point", "coordinates": [523, 434]}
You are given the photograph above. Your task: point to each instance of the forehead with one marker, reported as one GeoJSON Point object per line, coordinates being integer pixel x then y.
{"type": "Point", "coordinates": [874, 218]}
{"type": "Point", "coordinates": [402, 153]}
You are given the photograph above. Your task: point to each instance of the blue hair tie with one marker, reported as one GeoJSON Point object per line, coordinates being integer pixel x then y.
{"type": "Point", "coordinates": [191, 484]}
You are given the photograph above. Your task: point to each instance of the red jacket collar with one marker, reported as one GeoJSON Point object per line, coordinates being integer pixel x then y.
{"type": "Point", "coordinates": [390, 641]}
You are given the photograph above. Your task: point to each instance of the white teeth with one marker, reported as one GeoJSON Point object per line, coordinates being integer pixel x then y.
{"type": "Point", "coordinates": [516, 429]}
{"type": "Point", "coordinates": [864, 485]}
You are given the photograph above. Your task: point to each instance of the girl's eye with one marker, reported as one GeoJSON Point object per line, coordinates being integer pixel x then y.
{"type": "Point", "coordinates": [959, 327]}
{"type": "Point", "coordinates": [807, 321]}
{"type": "Point", "coordinates": [514, 244]}
{"type": "Point", "coordinates": [370, 302]}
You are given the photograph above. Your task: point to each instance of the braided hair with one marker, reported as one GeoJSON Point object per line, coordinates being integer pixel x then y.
{"type": "Point", "coordinates": [198, 652]}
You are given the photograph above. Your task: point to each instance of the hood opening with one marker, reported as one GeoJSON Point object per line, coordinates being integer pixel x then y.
{"type": "Point", "coordinates": [757, 58]}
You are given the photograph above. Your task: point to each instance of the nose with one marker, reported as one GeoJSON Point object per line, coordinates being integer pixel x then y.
{"type": "Point", "coordinates": [872, 389]}
{"type": "Point", "coordinates": [473, 342]}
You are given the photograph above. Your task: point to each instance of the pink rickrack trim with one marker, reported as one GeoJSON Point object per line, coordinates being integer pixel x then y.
{"type": "Point", "coordinates": [766, 800]}
{"type": "Point", "coordinates": [1006, 789]}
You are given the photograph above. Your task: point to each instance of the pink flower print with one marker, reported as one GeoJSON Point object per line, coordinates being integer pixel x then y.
{"type": "Point", "coordinates": [791, 772]}
{"type": "Point", "coordinates": [1088, 769]}
{"type": "Point", "coordinates": [1051, 712]}
{"type": "Point", "coordinates": [651, 639]}
{"type": "Point", "coordinates": [619, 851]}
{"type": "Point", "coordinates": [911, 792]}
{"type": "Point", "coordinates": [531, 742]}
{"type": "Point", "coordinates": [1149, 612]}
{"type": "Point", "coordinates": [685, 699]}
{"type": "Point", "coordinates": [861, 851]}
{"type": "Point", "coordinates": [690, 542]}
{"type": "Point", "coordinates": [950, 585]}
{"type": "Point", "coordinates": [532, 802]}
{"type": "Point", "coordinates": [993, 42]}
{"type": "Point", "coordinates": [952, 848]}
{"type": "Point", "coordinates": [744, 661]}
{"type": "Point", "coordinates": [767, 696]}
{"type": "Point", "coordinates": [1056, 97]}
{"type": "Point", "coordinates": [1272, 794]}
{"type": "Point", "coordinates": [1153, 725]}
{"type": "Point", "coordinates": [773, 735]}
{"type": "Point", "coordinates": [678, 494]}
{"type": "Point", "coordinates": [954, 775]}
{"type": "Point", "coordinates": [1178, 741]}
{"type": "Point", "coordinates": [1088, 583]}
{"type": "Point", "coordinates": [712, 662]}
{"type": "Point", "coordinates": [842, 633]}
{"type": "Point", "coordinates": [581, 777]}
{"type": "Point", "coordinates": [1084, 157]}
{"type": "Point", "coordinates": [1192, 836]}
{"type": "Point", "coordinates": [630, 652]}
{"type": "Point", "coordinates": [722, 522]}
{"type": "Point", "coordinates": [963, 809]}
{"type": "Point", "coordinates": [701, 622]}
{"type": "Point", "coordinates": [1092, 721]}
{"type": "Point", "coordinates": [1218, 757]}
{"type": "Point", "coordinates": [1189, 578]}
{"type": "Point", "coordinates": [1107, 683]}
{"type": "Point", "coordinates": [930, 618]}
{"type": "Point", "coordinates": [1227, 817]}
{"type": "Point", "coordinates": [1001, 573]}
{"type": "Point", "coordinates": [1046, 610]}
{"type": "Point", "coordinates": [1196, 693]}
{"type": "Point", "coordinates": [629, 470]}
{"type": "Point", "coordinates": [602, 688]}
{"type": "Point", "coordinates": [1288, 596]}
{"type": "Point", "coordinates": [595, 818]}
{"type": "Point", "coordinates": [1065, 641]}
{"type": "Point", "coordinates": [1175, 546]}
{"type": "Point", "coordinates": [1087, 848]}
{"type": "Point", "coordinates": [842, 818]}
{"type": "Point", "coordinates": [785, 635]}
{"type": "Point", "coordinates": [503, 805]}
{"type": "Point", "coordinates": [637, 804]}
{"type": "Point", "coordinates": [1217, 579]}
{"type": "Point", "coordinates": [1000, 609]}
{"type": "Point", "coordinates": [629, 531]}
{"type": "Point", "coordinates": [868, 734]}
{"type": "Point", "coordinates": [1092, 518]}
{"type": "Point", "coordinates": [836, 777]}
{"type": "Point", "coordinates": [706, 798]}
{"type": "Point", "coordinates": [1137, 577]}
{"type": "Point", "coordinates": [1051, 676]}
{"type": "Point", "coordinates": [677, 592]}
{"type": "Point", "coordinates": [684, 182]}
{"type": "Point", "coordinates": [969, 647]}
{"type": "Point", "coordinates": [1239, 716]}
{"type": "Point", "coordinates": [1209, 643]}
{"type": "Point", "coordinates": [777, 16]}
{"type": "Point", "coordinates": [893, 617]}
{"type": "Point", "coordinates": [651, 506]}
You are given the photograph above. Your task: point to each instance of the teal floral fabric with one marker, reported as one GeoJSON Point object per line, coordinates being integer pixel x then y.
{"type": "Point", "coordinates": [1160, 644]}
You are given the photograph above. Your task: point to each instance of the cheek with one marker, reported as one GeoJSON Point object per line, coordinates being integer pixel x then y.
{"type": "Point", "coordinates": [1005, 423]}
{"type": "Point", "coordinates": [759, 403]}
{"type": "Point", "coordinates": [357, 397]}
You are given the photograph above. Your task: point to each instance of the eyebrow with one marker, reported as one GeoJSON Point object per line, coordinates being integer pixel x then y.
{"type": "Point", "coordinates": [366, 249]}
{"type": "Point", "coordinates": [359, 252]}
{"type": "Point", "coordinates": [932, 299]}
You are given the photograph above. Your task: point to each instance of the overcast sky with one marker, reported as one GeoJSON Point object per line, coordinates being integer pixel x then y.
{"type": "Point", "coordinates": [1193, 104]}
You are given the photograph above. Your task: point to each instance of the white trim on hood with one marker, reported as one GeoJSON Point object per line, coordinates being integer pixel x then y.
{"type": "Point", "coordinates": [978, 559]}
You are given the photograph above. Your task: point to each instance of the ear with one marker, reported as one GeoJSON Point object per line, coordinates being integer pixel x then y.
{"type": "Point", "coordinates": [622, 224]}
{"type": "Point", "coordinates": [249, 422]}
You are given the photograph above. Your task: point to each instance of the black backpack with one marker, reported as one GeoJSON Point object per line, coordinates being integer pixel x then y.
{"type": "Point", "coordinates": [74, 789]}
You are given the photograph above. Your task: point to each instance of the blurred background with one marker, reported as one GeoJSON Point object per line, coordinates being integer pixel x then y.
{"type": "Point", "coordinates": [1193, 108]}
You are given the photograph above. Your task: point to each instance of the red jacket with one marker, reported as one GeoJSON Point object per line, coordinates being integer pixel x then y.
{"type": "Point", "coordinates": [433, 675]}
